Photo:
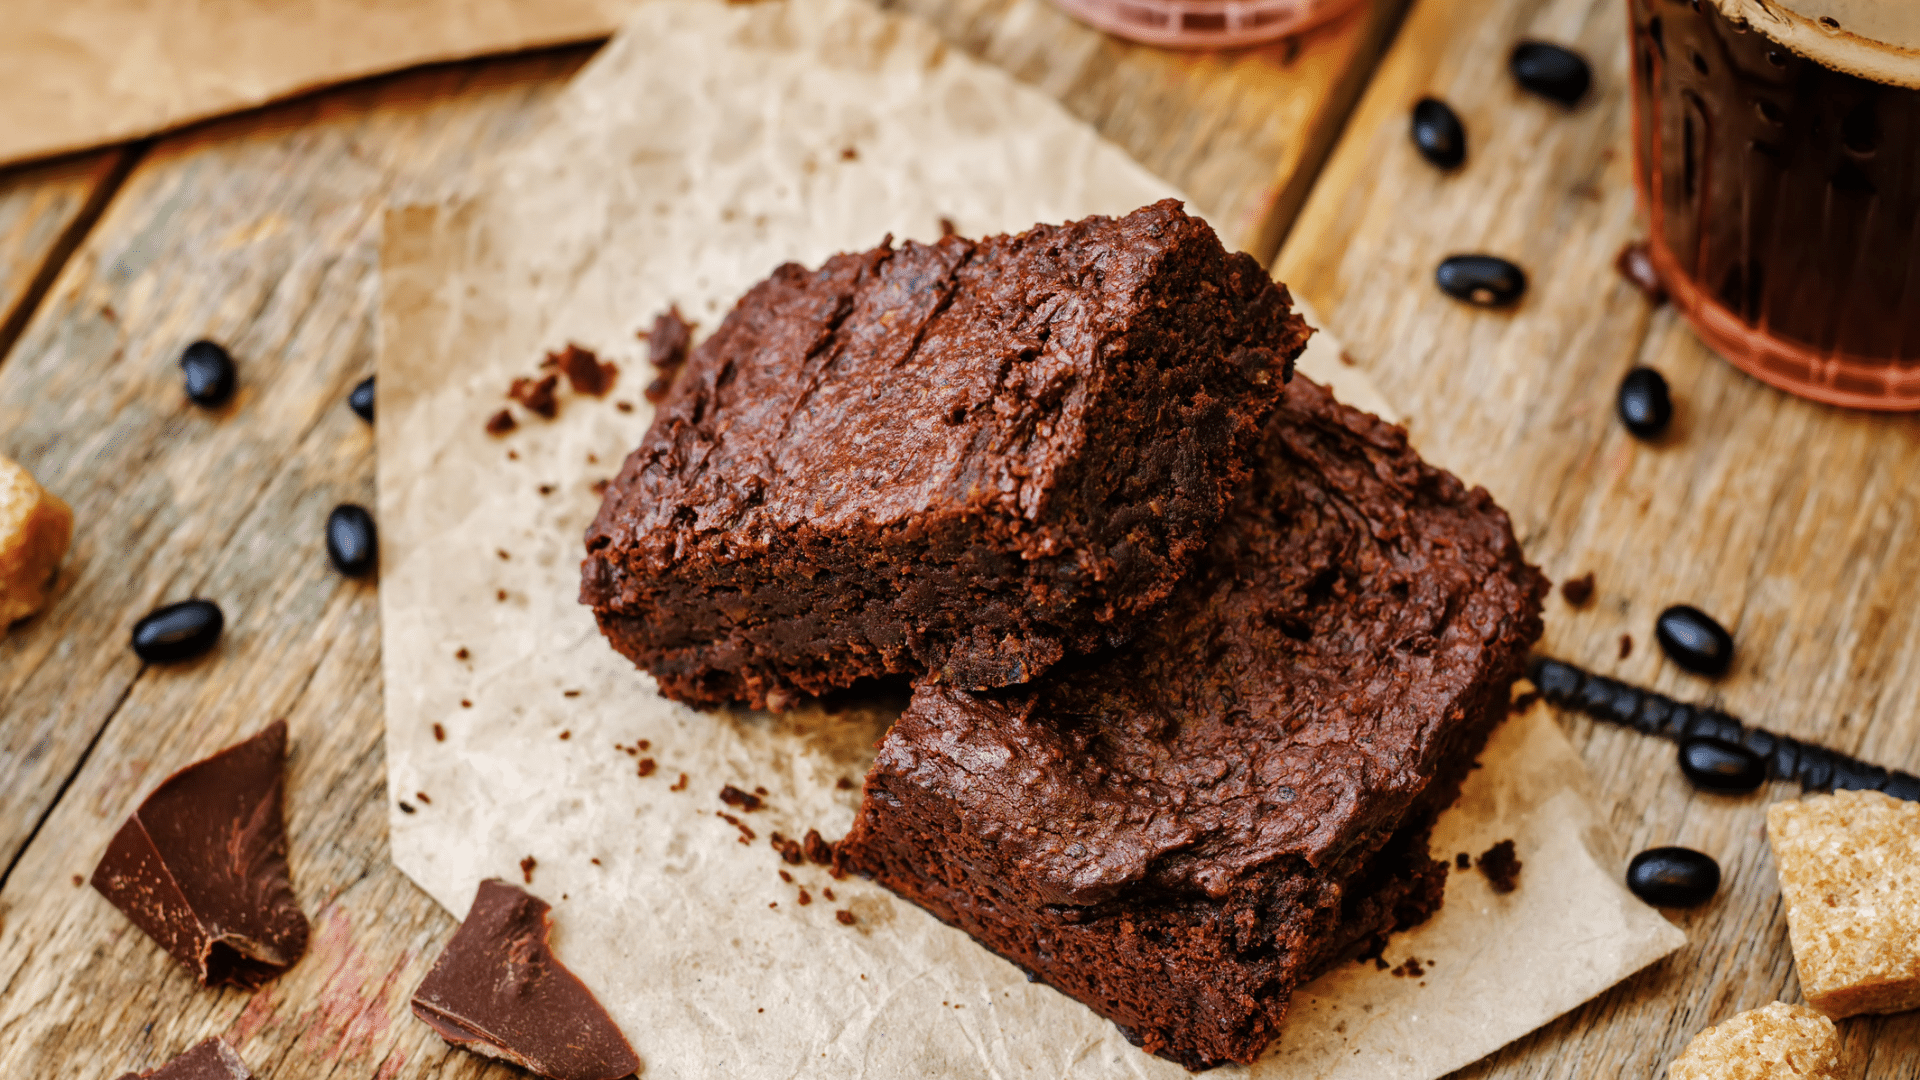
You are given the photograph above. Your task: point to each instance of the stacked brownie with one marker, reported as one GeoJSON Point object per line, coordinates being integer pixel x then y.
{"type": "Point", "coordinates": [1198, 656]}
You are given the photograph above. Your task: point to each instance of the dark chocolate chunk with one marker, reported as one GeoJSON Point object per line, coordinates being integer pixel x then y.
{"type": "Point", "coordinates": [211, 1060]}
{"type": "Point", "coordinates": [1501, 867]}
{"type": "Point", "coordinates": [1552, 71]}
{"type": "Point", "coordinates": [1725, 767]}
{"type": "Point", "coordinates": [584, 371]}
{"type": "Point", "coordinates": [210, 373]}
{"type": "Point", "coordinates": [201, 866]}
{"type": "Point", "coordinates": [499, 991]}
{"type": "Point", "coordinates": [1438, 133]}
{"type": "Point", "coordinates": [1482, 280]}
{"type": "Point", "coordinates": [350, 539]}
{"type": "Point", "coordinates": [1643, 403]}
{"type": "Point", "coordinates": [361, 400]}
{"type": "Point", "coordinates": [1636, 265]}
{"type": "Point", "coordinates": [1691, 638]}
{"type": "Point", "coordinates": [668, 340]}
{"type": "Point", "coordinates": [537, 395]}
{"type": "Point", "coordinates": [178, 631]}
{"type": "Point", "coordinates": [1673, 877]}
{"type": "Point", "coordinates": [1577, 591]}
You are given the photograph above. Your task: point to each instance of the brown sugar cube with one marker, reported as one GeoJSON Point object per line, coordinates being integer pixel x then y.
{"type": "Point", "coordinates": [1850, 871]}
{"type": "Point", "coordinates": [35, 529]}
{"type": "Point", "coordinates": [1772, 1041]}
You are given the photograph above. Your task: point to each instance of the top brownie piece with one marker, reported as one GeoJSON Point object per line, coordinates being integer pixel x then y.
{"type": "Point", "coordinates": [963, 460]}
{"type": "Point", "coordinates": [1178, 832]}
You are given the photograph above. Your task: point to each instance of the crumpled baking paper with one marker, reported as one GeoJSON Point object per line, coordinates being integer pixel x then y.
{"type": "Point", "coordinates": [708, 143]}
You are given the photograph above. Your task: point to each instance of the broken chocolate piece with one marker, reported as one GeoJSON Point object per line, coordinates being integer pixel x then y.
{"type": "Point", "coordinates": [499, 991]}
{"type": "Point", "coordinates": [211, 1060]}
{"type": "Point", "coordinates": [584, 371]}
{"type": "Point", "coordinates": [536, 395]}
{"type": "Point", "coordinates": [201, 866]}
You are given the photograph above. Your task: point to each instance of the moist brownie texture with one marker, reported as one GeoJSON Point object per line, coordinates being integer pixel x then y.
{"type": "Point", "coordinates": [962, 460]}
{"type": "Point", "coordinates": [1180, 831]}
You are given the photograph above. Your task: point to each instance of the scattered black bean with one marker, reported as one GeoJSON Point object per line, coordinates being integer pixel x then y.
{"type": "Point", "coordinates": [1693, 640]}
{"type": "Point", "coordinates": [1725, 767]}
{"type": "Point", "coordinates": [1438, 133]}
{"type": "Point", "coordinates": [178, 631]}
{"type": "Point", "coordinates": [1485, 280]}
{"type": "Point", "coordinates": [350, 539]}
{"type": "Point", "coordinates": [1673, 877]}
{"type": "Point", "coordinates": [1552, 71]}
{"type": "Point", "coordinates": [361, 400]}
{"type": "Point", "coordinates": [1813, 767]}
{"type": "Point", "coordinates": [1643, 403]}
{"type": "Point", "coordinates": [210, 373]}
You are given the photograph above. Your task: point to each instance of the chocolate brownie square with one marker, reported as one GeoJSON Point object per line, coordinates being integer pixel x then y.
{"type": "Point", "coordinates": [1179, 832]}
{"type": "Point", "coordinates": [962, 460]}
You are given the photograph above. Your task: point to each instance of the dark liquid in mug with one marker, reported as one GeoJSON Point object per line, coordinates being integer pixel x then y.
{"type": "Point", "coordinates": [1787, 192]}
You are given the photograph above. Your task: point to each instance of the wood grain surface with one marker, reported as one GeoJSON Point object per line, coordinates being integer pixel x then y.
{"type": "Point", "coordinates": [260, 232]}
{"type": "Point", "coordinates": [45, 209]}
{"type": "Point", "coordinates": [1792, 523]}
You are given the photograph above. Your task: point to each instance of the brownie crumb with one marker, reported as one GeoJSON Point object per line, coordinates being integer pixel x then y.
{"type": "Point", "coordinates": [817, 849]}
{"type": "Point", "coordinates": [567, 734]}
{"type": "Point", "coordinates": [600, 486]}
{"type": "Point", "coordinates": [733, 796]}
{"type": "Point", "coordinates": [439, 733]}
{"type": "Point", "coordinates": [844, 784]}
{"type": "Point", "coordinates": [500, 595]}
{"type": "Point", "coordinates": [406, 807]}
{"type": "Point", "coordinates": [845, 917]}
{"type": "Point", "coordinates": [461, 653]}
{"type": "Point", "coordinates": [656, 391]}
{"type": "Point", "coordinates": [623, 406]}
{"type": "Point", "coordinates": [848, 153]}
{"type": "Point", "coordinates": [545, 489]}
{"type": "Point", "coordinates": [784, 876]}
{"type": "Point", "coordinates": [760, 791]}
{"type": "Point", "coordinates": [805, 898]}
{"type": "Point", "coordinates": [78, 881]}
{"type": "Point", "coordinates": [422, 796]}
{"type": "Point", "coordinates": [790, 850]}
{"type": "Point", "coordinates": [747, 835]}
{"type": "Point", "coordinates": [1577, 591]}
{"type": "Point", "coordinates": [595, 862]}
{"type": "Point", "coordinates": [1626, 646]}
{"type": "Point", "coordinates": [1463, 861]}
{"type": "Point", "coordinates": [466, 703]}
{"type": "Point", "coordinates": [1636, 265]}
{"type": "Point", "coordinates": [1500, 866]}
{"type": "Point", "coordinates": [668, 340]}
{"type": "Point", "coordinates": [647, 766]}
{"type": "Point", "coordinates": [585, 372]}
{"type": "Point", "coordinates": [503, 553]}
{"type": "Point", "coordinates": [680, 784]}
{"type": "Point", "coordinates": [828, 893]}
{"type": "Point", "coordinates": [501, 422]}
{"type": "Point", "coordinates": [947, 227]}
{"type": "Point", "coordinates": [1409, 969]}
{"type": "Point", "coordinates": [644, 744]}
{"type": "Point", "coordinates": [537, 395]}
{"type": "Point", "coordinates": [526, 868]}
{"type": "Point", "coordinates": [513, 455]}
{"type": "Point", "coordinates": [569, 693]}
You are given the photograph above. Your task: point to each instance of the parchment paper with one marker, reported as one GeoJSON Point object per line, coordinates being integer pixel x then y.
{"type": "Point", "coordinates": [705, 145]}
{"type": "Point", "coordinates": [80, 73]}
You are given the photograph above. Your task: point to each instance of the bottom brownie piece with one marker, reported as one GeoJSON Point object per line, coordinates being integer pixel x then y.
{"type": "Point", "coordinates": [1179, 832]}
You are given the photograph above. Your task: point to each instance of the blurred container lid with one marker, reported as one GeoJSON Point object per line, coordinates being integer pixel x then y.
{"type": "Point", "coordinates": [1206, 24]}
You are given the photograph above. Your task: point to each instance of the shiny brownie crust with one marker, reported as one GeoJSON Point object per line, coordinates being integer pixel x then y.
{"type": "Point", "coordinates": [960, 461]}
{"type": "Point", "coordinates": [1179, 832]}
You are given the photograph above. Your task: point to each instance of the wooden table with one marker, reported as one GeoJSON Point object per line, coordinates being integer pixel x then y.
{"type": "Point", "coordinates": [1794, 523]}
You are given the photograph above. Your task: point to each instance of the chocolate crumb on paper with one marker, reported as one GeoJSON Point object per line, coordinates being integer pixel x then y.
{"type": "Point", "coordinates": [669, 339]}
{"type": "Point", "coordinates": [680, 784]}
{"type": "Point", "coordinates": [747, 802]}
{"type": "Point", "coordinates": [845, 917]}
{"type": "Point", "coordinates": [1577, 591]}
{"type": "Point", "coordinates": [585, 372]}
{"type": "Point", "coordinates": [1501, 867]}
{"type": "Point", "coordinates": [537, 395]}
{"type": "Point", "coordinates": [646, 767]}
{"type": "Point", "coordinates": [1463, 861]}
{"type": "Point", "coordinates": [526, 868]}
{"type": "Point", "coordinates": [1626, 646]}
{"type": "Point", "coordinates": [501, 422]}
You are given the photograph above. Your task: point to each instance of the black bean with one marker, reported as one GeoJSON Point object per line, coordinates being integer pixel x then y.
{"type": "Point", "coordinates": [178, 631]}
{"type": "Point", "coordinates": [1673, 877]}
{"type": "Point", "coordinates": [1693, 640]}
{"type": "Point", "coordinates": [1643, 403]}
{"type": "Point", "coordinates": [350, 539]}
{"type": "Point", "coordinates": [1550, 70]}
{"type": "Point", "coordinates": [1725, 767]}
{"type": "Point", "coordinates": [210, 373]}
{"type": "Point", "coordinates": [1484, 280]}
{"type": "Point", "coordinates": [1438, 133]}
{"type": "Point", "coordinates": [361, 400]}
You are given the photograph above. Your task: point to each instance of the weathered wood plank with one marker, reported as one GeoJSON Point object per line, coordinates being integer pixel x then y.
{"type": "Point", "coordinates": [1243, 132]}
{"type": "Point", "coordinates": [44, 209]}
{"type": "Point", "coordinates": [258, 232]}
{"type": "Point", "coordinates": [1793, 523]}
